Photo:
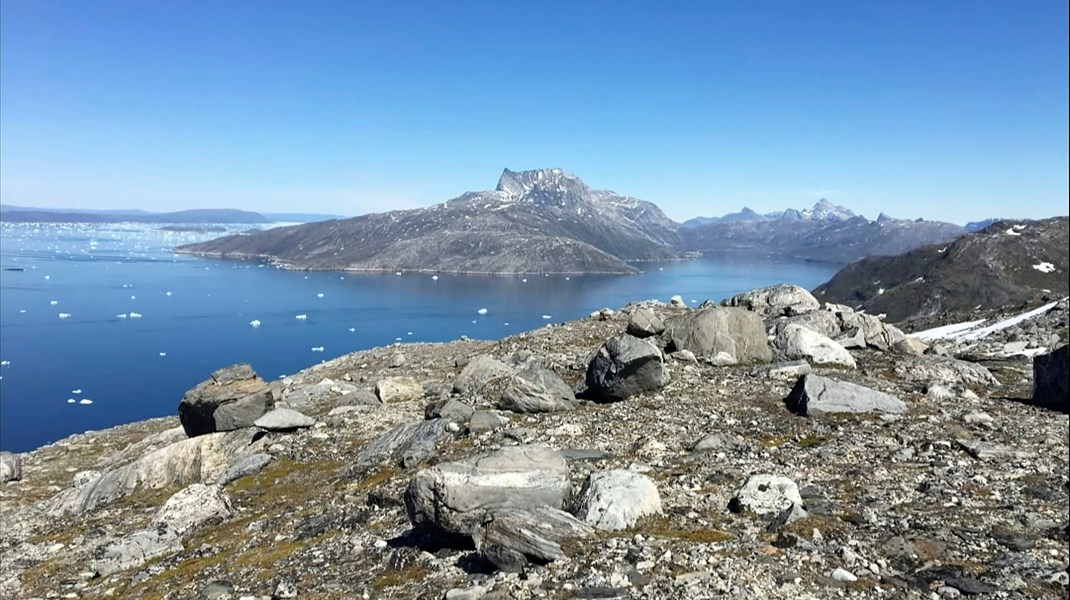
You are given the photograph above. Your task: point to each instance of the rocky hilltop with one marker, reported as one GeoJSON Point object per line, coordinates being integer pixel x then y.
{"type": "Point", "coordinates": [548, 221]}
{"type": "Point", "coordinates": [1009, 263]}
{"type": "Point", "coordinates": [543, 221]}
{"type": "Point", "coordinates": [771, 447]}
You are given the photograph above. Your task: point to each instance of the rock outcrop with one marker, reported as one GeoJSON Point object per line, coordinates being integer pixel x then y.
{"type": "Point", "coordinates": [709, 331]}
{"type": "Point", "coordinates": [1051, 380]}
{"type": "Point", "coordinates": [623, 367]}
{"type": "Point", "coordinates": [814, 395]}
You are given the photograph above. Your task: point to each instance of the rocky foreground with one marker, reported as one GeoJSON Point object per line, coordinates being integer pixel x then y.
{"type": "Point", "coordinates": [773, 447]}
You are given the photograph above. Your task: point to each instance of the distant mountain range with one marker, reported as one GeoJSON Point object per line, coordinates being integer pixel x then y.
{"type": "Point", "coordinates": [548, 221]}
{"type": "Point", "coordinates": [26, 214]}
{"type": "Point", "coordinates": [1009, 263]}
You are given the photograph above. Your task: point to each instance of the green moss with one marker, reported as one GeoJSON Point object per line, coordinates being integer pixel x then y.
{"type": "Point", "coordinates": [402, 576]}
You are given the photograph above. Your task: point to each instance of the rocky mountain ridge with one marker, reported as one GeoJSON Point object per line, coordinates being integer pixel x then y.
{"type": "Point", "coordinates": [549, 221]}
{"type": "Point", "coordinates": [1009, 263]}
{"type": "Point", "coordinates": [775, 447]}
{"type": "Point", "coordinates": [823, 210]}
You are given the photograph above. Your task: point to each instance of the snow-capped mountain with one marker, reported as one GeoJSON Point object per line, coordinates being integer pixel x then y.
{"type": "Point", "coordinates": [823, 210]}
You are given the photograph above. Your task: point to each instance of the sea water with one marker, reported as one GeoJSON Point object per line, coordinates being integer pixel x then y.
{"type": "Point", "coordinates": [101, 324]}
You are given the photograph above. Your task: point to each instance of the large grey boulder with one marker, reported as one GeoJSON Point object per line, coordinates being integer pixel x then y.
{"type": "Point", "coordinates": [513, 538]}
{"type": "Point", "coordinates": [614, 500]}
{"type": "Point", "coordinates": [232, 398]}
{"type": "Point", "coordinates": [10, 466]}
{"type": "Point", "coordinates": [708, 331]}
{"type": "Point", "coordinates": [775, 301]}
{"type": "Point", "coordinates": [407, 444]}
{"type": "Point", "coordinates": [796, 341]}
{"type": "Point", "coordinates": [283, 419]}
{"type": "Point", "coordinates": [644, 322]}
{"type": "Point", "coordinates": [1050, 380]}
{"type": "Point", "coordinates": [453, 498]}
{"type": "Point", "coordinates": [814, 395]}
{"type": "Point", "coordinates": [318, 393]}
{"type": "Point", "coordinates": [535, 390]}
{"type": "Point", "coordinates": [184, 511]}
{"type": "Point", "coordinates": [194, 460]}
{"type": "Point", "coordinates": [945, 371]}
{"type": "Point", "coordinates": [479, 372]}
{"type": "Point", "coordinates": [243, 467]}
{"type": "Point", "coordinates": [450, 408]}
{"type": "Point", "coordinates": [824, 322]}
{"type": "Point", "coordinates": [623, 367]}
{"type": "Point", "coordinates": [859, 330]}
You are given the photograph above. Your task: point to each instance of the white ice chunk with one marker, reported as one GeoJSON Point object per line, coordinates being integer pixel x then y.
{"type": "Point", "coordinates": [71, 400]}
{"type": "Point", "coordinates": [319, 295]}
{"type": "Point", "coordinates": [317, 348]}
{"type": "Point", "coordinates": [135, 315]}
{"type": "Point", "coordinates": [255, 323]}
{"type": "Point", "coordinates": [482, 311]}
{"type": "Point", "coordinates": [121, 315]}
{"type": "Point", "coordinates": [1044, 267]}
{"type": "Point", "coordinates": [547, 317]}
{"type": "Point", "coordinates": [434, 278]}
{"type": "Point", "coordinates": [64, 315]}
{"type": "Point", "coordinates": [163, 354]}
{"type": "Point", "coordinates": [301, 317]}
{"type": "Point", "coordinates": [55, 302]}
{"type": "Point", "coordinates": [85, 401]}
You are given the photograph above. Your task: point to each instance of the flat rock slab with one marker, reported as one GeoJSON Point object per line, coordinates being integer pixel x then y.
{"type": "Point", "coordinates": [814, 395]}
{"type": "Point", "coordinates": [243, 467]}
{"type": "Point", "coordinates": [792, 369]}
{"type": "Point", "coordinates": [399, 389]}
{"type": "Point", "coordinates": [284, 419]}
{"type": "Point", "coordinates": [707, 331]}
{"type": "Point", "coordinates": [983, 450]}
{"type": "Point", "coordinates": [406, 444]}
{"type": "Point", "coordinates": [511, 539]}
{"type": "Point", "coordinates": [796, 341]}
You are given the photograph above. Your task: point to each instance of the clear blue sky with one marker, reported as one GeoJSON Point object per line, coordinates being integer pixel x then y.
{"type": "Point", "coordinates": [944, 110]}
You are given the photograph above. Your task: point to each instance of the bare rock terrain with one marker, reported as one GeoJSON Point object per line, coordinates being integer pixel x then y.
{"type": "Point", "coordinates": [700, 483]}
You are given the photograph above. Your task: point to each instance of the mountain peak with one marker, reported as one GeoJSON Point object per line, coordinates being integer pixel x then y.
{"type": "Point", "coordinates": [825, 210]}
{"type": "Point", "coordinates": [543, 186]}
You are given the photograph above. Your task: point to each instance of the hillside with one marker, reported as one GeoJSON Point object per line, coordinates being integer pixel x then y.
{"type": "Point", "coordinates": [471, 470]}
{"type": "Point", "coordinates": [1009, 263]}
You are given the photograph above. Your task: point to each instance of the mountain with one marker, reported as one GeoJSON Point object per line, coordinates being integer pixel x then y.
{"type": "Point", "coordinates": [823, 210]}
{"type": "Point", "coordinates": [974, 226]}
{"type": "Point", "coordinates": [540, 221]}
{"type": "Point", "coordinates": [301, 217]}
{"type": "Point", "coordinates": [821, 234]}
{"type": "Point", "coordinates": [18, 214]}
{"type": "Point", "coordinates": [1009, 263]}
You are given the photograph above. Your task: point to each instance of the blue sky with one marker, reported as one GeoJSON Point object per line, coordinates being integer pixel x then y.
{"type": "Point", "coordinates": [944, 110]}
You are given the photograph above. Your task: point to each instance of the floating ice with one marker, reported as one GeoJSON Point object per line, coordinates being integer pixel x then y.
{"type": "Point", "coordinates": [568, 279]}
{"type": "Point", "coordinates": [524, 280]}
{"type": "Point", "coordinates": [408, 333]}
{"type": "Point", "coordinates": [55, 302]}
{"type": "Point", "coordinates": [133, 297]}
{"type": "Point", "coordinates": [48, 277]}
{"type": "Point", "coordinates": [434, 278]}
{"type": "Point", "coordinates": [64, 315]}
{"type": "Point", "coordinates": [5, 363]}
{"type": "Point", "coordinates": [482, 311]}
{"type": "Point", "coordinates": [22, 310]}
{"type": "Point", "coordinates": [255, 322]}
{"type": "Point", "coordinates": [352, 329]}
{"type": "Point", "coordinates": [317, 348]}
{"type": "Point", "coordinates": [135, 315]}
{"type": "Point", "coordinates": [547, 317]}
{"type": "Point", "coordinates": [71, 400]}
{"type": "Point", "coordinates": [319, 295]}
{"type": "Point", "coordinates": [1044, 267]}
{"type": "Point", "coordinates": [121, 315]}
{"type": "Point", "coordinates": [301, 317]}
{"type": "Point", "coordinates": [76, 392]}
{"type": "Point", "coordinates": [167, 293]}
{"type": "Point", "coordinates": [398, 273]}
{"type": "Point", "coordinates": [163, 354]}
{"type": "Point", "coordinates": [85, 401]}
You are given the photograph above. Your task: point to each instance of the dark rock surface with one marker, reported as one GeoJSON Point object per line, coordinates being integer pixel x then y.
{"type": "Point", "coordinates": [234, 397]}
{"type": "Point", "coordinates": [1051, 380]}
{"type": "Point", "coordinates": [623, 367]}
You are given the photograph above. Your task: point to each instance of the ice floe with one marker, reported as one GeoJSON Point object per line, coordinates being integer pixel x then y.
{"type": "Point", "coordinates": [482, 311]}
{"type": "Point", "coordinates": [85, 401]}
{"type": "Point", "coordinates": [55, 302]}
{"type": "Point", "coordinates": [1044, 267]}
{"type": "Point", "coordinates": [301, 317]}
{"type": "Point", "coordinates": [547, 317]}
{"type": "Point", "coordinates": [163, 354]}
{"type": "Point", "coordinates": [64, 315]}
{"type": "Point", "coordinates": [255, 323]}
{"type": "Point", "coordinates": [71, 400]}
{"type": "Point", "coordinates": [352, 329]}
{"type": "Point", "coordinates": [317, 348]}
{"type": "Point", "coordinates": [121, 316]}
{"type": "Point", "coordinates": [135, 315]}
{"type": "Point", "coordinates": [434, 278]}
{"type": "Point", "coordinates": [319, 295]}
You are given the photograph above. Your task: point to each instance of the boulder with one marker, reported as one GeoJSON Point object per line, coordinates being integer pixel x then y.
{"type": "Point", "coordinates": [451, 409]}
{"type": "Point", "coordinates": [397, 360]}
{"type": "Point", "coordinates": [318, 393]}
{"type": "Point", "coordinates": [194, 460]}
{"type": "Point", "coordinates": [859, 330]}
{"type": "Point", "coordinates": [10, 466]}
{"type": "Point", "coordinates": [232, 398]}
{"type": "Point", "coordinates": [644, 322]}
{"type": "Point", "coordinates": [775, 301]}
{"type": "Point", "coordinates": [614, 500]}
{"type": "Point", "coordinates": [134, 550]}
{"type": "Point", "coordinates": [822, 321]}
{"type": "Point", "coordinates": [536, 390]}
{"type": "Point", "coordinates": [360, 398]}
{"type": "Point", "coordinates": [944, 370]}
{"type": "Point", "coordinates": [407, 444]}
{"type": "Point", "coordinates": [483, 421]}
{"type": "Point", "coordinates": [910, 346]}
{"type": "Point", "coordinates": [513, 538]}
{"type": "Point", "coordinates": [792, 369]}
{"type": "Point", "coordinates": [796, 341]}
{"type": "Point", "coordinates": [814, 395]}
{"type": "Point", "coordinates": [1050, 380]}
{"type": "Point", "coordinates": [283, 419]}
{"type": "Point", "coordinates": [766, 494]}
{"type": "Point", "coordinates": [480, 371]}
{"type": "Point", "coordinates": [452, 498]}
{"type": "Point", "coordinates": [399, 389]}
{"type": "Point", "coordinates": [624, 366]}
{"type": "Point", "coordinates": [707, 331]}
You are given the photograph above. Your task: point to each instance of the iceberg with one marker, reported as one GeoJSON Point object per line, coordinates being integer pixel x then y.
{"type": "Point", "coordinates": [135, 315]}
{"type": "Point", "coordinates": [319, 295]}
{"type": "Point", "coordinates": [55, 302]}
{"type": "Point", "coordinates": [317, 348]}
{"type": "Point", "coordinates": [482, 311]}
{"type": "Point", "coordinates": [255, 323]}
{"type": "Point", "coordinates": [121, 315]}
{"type": "Point", "coordinates": [85, 401]}
{"type": "Point", "coordinates": [301, 317]}
{"type": "Point", "coordinates": [64, 315]}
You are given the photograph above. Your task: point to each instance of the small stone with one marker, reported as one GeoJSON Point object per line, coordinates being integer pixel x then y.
{"type": "Point", "coordinates": [397, 360]}
{"type": "Point", "coordinates": [286, 588]}
{"type": "Point", "coordinates": [844, 575]}
{"type": "Point", "coordinates": [483, 421]}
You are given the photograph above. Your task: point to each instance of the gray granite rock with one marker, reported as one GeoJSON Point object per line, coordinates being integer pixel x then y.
{"type": "Point", "coordinates": [243, 467]}
{"type": "Point", "coordinates": [399, 389]}
{"type": "Point", "coordinates": [707, 331]}
{"type": "Point", "coordinates": [284, 419]}
{"type": "Point", "coordinates": [815, 395]}
{"type": "Point", "coordinates": [234, 397]}
{"type": "Point", "coordinates": [513, 538]}
{"type": "Point", "coordinates": [449, 409]}
{"type": "Point", "coordinates": [775, 301]}
{"type": "Point", "coordinates": [10, 466]}
{"type": "Point", "coordinates": [406, 444]}
{"type": "Point", "coordinates": [614, 500]}
{"type": "Point", "coordinates": [644, 322]}
{"type": "Point", "coordinates": [1051, 388]}
{"type": "Point", "coordinates": [798, 342]}
{"type": "Point", "coordinates": [624, 366]}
